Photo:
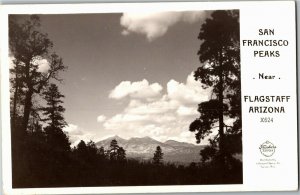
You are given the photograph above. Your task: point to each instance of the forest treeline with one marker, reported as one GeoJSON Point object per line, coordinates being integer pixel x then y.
{"type": "Point", "coordinates": [42, 155]}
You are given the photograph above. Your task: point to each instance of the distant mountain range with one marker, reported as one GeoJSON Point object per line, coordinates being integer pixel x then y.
{"type": "Point", "coordinates": [144, 148]}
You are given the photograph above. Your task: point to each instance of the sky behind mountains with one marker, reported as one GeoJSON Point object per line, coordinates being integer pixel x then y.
{"type": "Point", "coordinates": [129, 74]}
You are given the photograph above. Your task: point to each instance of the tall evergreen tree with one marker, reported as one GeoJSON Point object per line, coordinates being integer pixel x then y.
{"type": "Point", "coordinates": [219, 55]}
{"type": "Point", "coordinates": [55, 120]}
{"type": "Point", "coordinates": [113, 153]}
{"type": "Point", "coordinates": [29, 47]}
{"type": "Point", "coordinates": [158, 155]}
{"type": "Point", "coordinates": [54, 110]}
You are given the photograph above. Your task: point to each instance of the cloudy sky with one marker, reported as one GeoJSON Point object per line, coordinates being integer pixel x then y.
{"type": "Point", "coordinates": [129, 74]}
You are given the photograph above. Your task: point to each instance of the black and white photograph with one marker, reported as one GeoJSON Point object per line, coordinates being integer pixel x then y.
{"type": "Point", "coordinates": [125, 99]}
{"type": "Point", "coordinates": [174, 97]}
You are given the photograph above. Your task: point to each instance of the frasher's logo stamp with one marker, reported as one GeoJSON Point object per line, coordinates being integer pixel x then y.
{"type": "Point", "coordinates": [267, 149]}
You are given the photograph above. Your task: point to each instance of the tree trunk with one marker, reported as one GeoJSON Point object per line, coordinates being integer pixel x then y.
{"type": "Point", "coordinates": [28, 97]}
{"type": "Point", "coordinates": [27, 110]}
{"type": "Point", "coordinates": [221, 118]}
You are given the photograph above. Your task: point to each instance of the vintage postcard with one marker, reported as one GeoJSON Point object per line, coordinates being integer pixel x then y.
{"type": "Point", "coordinates": [149, 97]}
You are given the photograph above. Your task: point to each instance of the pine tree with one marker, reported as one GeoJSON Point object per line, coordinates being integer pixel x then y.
{"type": "Point", "coordinates": [28, 46]}
{"type": "Point", "coordinates": [55, 136]}
{"type": "Point", "coordinates": [220, 57]}
{"type": "Point", "coordinates": [158, 156]}
{"type": "Point", "coordinates": [121, 154]}
{"type": "Point", "coordinates": [113, 153]}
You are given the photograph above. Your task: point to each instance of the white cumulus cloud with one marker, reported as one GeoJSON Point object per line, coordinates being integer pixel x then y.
{"type": "Point", "coordinates": [76, 134]}
{"type": "Point", "coordinates": [72, 129]}
{"type": "Point", "coordinates": [167, 116]}
{"type": "Point", "coordinates": [156, 24]}
{"type": "Point", "coordinates": [187, 111]}
{"type": "Point", "coordinates": [155, 107]}
{"type": "Point", "coordinates": [101, 118]}
{"type": "Point", "coordinates": [190, 92]}
{"type": "Point", "coordinates": [43, 64]}
{"type": "Point", "coordinates": [138, 89]}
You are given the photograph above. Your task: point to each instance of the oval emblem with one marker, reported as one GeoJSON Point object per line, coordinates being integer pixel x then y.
{"type": "Point", "coordinates": [267, 149]}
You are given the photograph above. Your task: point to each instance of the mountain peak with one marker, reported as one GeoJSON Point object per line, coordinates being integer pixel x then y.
{"type": "Point", "coordinates": [116, 137]}
{"type": "Point", "coordinates": [177, 143]}
{"type": "Point", "coordinates": [144, 140]}
{"type": "Point", "coordinates": [172, 141]}
{"type": "Point", "coordinates": [147, 138]}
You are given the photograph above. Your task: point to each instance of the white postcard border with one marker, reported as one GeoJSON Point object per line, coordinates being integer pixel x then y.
{"type": "Point", "coordinates": [250, 178]}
